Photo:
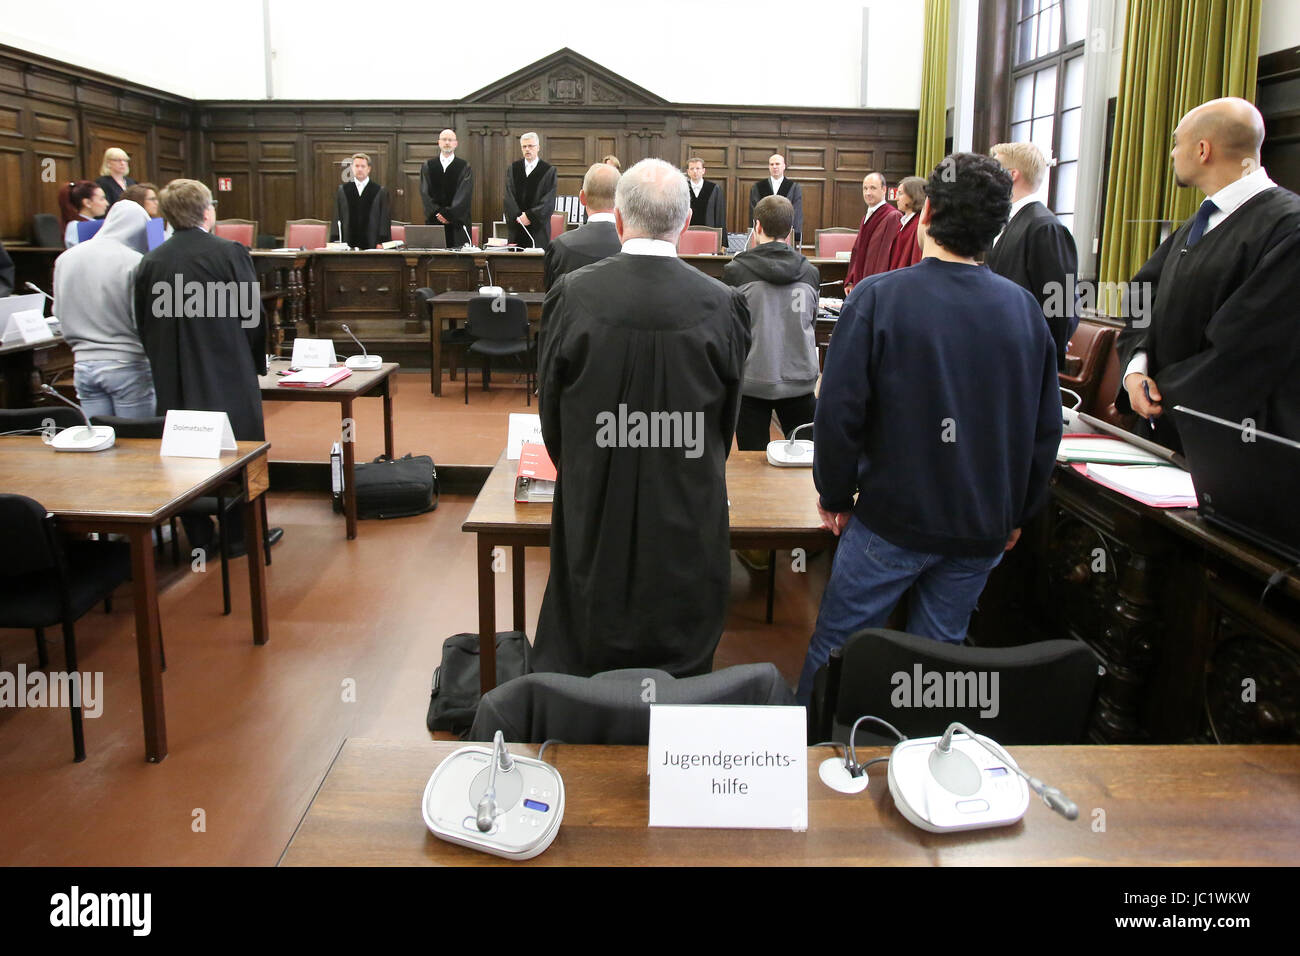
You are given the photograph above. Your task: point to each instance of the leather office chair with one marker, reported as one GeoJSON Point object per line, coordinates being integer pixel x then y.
{"type": "Point", "coordinates": [306, 233]}
{"type": "Point", "coordinates": [398, 230]}
{"type": "Point", "coordinates": [243, 231]}
{"type": "Point", "coordinates": [697, 240]}
{"type": "Point", "coordinates": [32, 420]}
{"type": "Point", "coordinates": [456, 340]}
{"type": "Point", "coordinates": [1043, 695]}
{"type": "Point", "coordinates": [45, 581]}
{"type": "Point", "coordinates": [609, 708]}
{"type": "Point", "coordinates": [1103, 406]}
{"type": "Point", "coordinates": [46, 232]}
{"type": "Point", "coordinates": [498, 333]}
{"type": "Point", "coordinates": [557, 224]}
{"type": "Point", "coordinates": [1085, 361]}
{"type": "Point", "coordinates": [827, 242]}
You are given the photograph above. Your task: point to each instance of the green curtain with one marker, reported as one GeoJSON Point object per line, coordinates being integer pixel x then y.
{"type": "Point", "coordinates": [1177, 55]}
{"type": "Point", "coordinates": [932, 120]}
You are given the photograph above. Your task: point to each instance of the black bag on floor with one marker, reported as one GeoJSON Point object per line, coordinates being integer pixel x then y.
{"type": "Point", "coordinates": [455, 696]}
{"type": "Point", "coordinates": [396, 487]}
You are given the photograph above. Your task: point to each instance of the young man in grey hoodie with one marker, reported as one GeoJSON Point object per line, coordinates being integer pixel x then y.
{"type": "Point", "coordinates": [93, 298]}
{"type": "Point", "coordinates": [780, 286]}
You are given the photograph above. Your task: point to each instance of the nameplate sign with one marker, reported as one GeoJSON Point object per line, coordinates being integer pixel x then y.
{"type": "Point", "coordinates": [27, 328]}
{"type": "Point", "coordinates": [728, 767]}
{"type": "Point", "coordinates": [189, 434]}
{"type": "Point", "coordinates": [312, 353]}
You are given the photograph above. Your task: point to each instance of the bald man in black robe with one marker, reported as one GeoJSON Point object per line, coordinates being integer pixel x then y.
{"type": "Point", "coordinates": [1222, 336]}
{"type": "Point", "coordinates": [639, 392]}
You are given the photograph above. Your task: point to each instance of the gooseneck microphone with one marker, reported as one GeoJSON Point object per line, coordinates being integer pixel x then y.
{"type": "Point", "coordinates": [364, 361]}
{"type": "Point", "coordinates": [90, 438]}
{"type": "Point", "coordinates": [487, 805]}
{"type": "Point", "coordinates": [943, 750]}
{"type": "Point", "coordinates": [35, 288]}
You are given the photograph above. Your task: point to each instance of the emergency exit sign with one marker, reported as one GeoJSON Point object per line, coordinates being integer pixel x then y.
{"type": "Point", "coordinates": [223, 184]}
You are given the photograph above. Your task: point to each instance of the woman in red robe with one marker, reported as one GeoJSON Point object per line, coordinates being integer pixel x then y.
{"type": "Point", "coordinates": [910, 198]}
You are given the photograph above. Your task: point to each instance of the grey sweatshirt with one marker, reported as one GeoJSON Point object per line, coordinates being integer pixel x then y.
{"type": "Point", "coordinates": [93, 288]}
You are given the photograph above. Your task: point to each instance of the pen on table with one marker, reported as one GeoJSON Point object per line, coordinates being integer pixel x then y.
{"type": "Point", "coordinates": [1146, 390]}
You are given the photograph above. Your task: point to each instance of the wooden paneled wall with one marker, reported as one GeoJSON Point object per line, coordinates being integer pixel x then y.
{"type": "Point", "coordinates": [284, 159]}
{"type": "Point", "coordinates": [56, 120]}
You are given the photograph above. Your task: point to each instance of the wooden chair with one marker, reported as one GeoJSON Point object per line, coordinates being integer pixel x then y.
{"type": "Point", "coordinates": [243, 231]}
{"type": "Point", "coordinates": [306, 233]}
{"type": "Point", "coordinates": [827, 242]}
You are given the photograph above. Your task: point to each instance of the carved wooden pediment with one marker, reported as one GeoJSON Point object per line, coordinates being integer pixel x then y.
{"type": "Point", "coordinates": [564, 78]}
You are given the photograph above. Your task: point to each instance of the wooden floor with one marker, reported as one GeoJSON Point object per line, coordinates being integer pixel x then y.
{"type": "Point", "coordinates": [251, 729]}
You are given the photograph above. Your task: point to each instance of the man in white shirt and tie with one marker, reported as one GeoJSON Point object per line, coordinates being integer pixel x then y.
{"type": "Point", "coordinates": [778, 185]}
{"type": "Point", "coordinates": [447, 190]}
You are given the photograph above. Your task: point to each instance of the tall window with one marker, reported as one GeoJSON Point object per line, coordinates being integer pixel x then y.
{"type": "Point", "coordinates": [1047, 90]}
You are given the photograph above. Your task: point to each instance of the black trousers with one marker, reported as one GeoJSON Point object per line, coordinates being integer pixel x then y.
{"type": "Point", "coordinates": [754, 428]}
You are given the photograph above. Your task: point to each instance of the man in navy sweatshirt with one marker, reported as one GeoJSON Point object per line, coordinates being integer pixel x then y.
{"type": "Point", "coordinates": [940, 409]}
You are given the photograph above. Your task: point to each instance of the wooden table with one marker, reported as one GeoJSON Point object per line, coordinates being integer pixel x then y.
{"type": "Point", "coordinates": [1221, 806]}
{"type": "Point", "coordinates": [449, 307]}
{"type": "Point", "coordinates": [769, 508]}
{"type": "Point", "coordinates": [129, 490]}
{"type": "Point", "coordinates": [379, 383]}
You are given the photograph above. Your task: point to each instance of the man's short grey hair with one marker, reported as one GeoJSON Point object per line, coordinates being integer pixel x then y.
{"type": "Point", "coordinates": [530, 136]}
{"type": "Point", "coordinates": [654, 199]}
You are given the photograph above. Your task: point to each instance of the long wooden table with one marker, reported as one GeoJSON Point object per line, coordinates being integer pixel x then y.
{"type": "Point", "coordinates": [1143, 806]}
{"type": "Point", "coordinates": [130, 489]}
{"type": "Point", "coordinates": [379, 383]}
{"type": "Point", "coordinates": [769, 508]}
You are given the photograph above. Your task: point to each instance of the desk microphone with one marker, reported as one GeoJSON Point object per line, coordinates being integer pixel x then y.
{"type": "Point", "coordinates": [90, 438]}
{"type": "Point", "coordinates": [788, 453]}
{"type": "Point", "coordinates": [487, 811]}
{"type": "Point", "coordinates": [1051, 796]}
{"type": "Point", "coordinates": [35, 288]}
{"type": "Point", "coordinates": [469, 239]}
{"type": "Point", "coordinates": [532, 243]}
{"type": "Point", "coordinates": [364, 362]}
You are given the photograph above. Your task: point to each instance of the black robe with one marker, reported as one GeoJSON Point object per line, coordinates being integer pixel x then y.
{"type": "Point", "coordinates": [1037, 253]}
{"type": "Point", "coordinates": [534, 195]}
{"type": "Point", "coordinates": [1223, 336]}
{"type": "Point", "coordinates": [450, 193]}
{"type": "Point", "coordinates": [203, 362]}
{"type": "Point", "coordinates": [580, 247]}
{"type": "Point", "coordinates": [790, 190]}
{"type": "Point", "coordinates": [640, 543]}
{"type": "Point", "coordinates": [366, 217]}
{"type": "Point", "coordinates": [707, 207]}
{"type": "Point", "coordinates": [6, 273]}
{"type": "Point", "coordinates": [112, 191]}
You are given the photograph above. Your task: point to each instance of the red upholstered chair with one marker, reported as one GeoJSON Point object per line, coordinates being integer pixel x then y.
{"type": "Point", "coordinates": [399, 230]}
{"type": "Point", "coordinates": [557, 224]}
{"type": "Point", "coordinates": [699, 239]}
{"type": "Point", "coordinates": [476, 229]}
{"type": "Point", "coordinates": [306, 233]}
{"type": "Point", "coordinates": [836, 239]}
{"type": "Point", "coordinates": [243, 231]}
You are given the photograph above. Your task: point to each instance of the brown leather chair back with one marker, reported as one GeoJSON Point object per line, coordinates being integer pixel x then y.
{"type": "Point", "coordinates": [1085, 361]}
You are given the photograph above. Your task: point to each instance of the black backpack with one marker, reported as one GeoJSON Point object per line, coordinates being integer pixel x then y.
{"type": "Point", "coordinates": [455, 696]}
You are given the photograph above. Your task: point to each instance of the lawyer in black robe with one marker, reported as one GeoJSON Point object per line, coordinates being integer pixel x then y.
{"type": "Point", "coordinates": [365, 216]}
{"type": "Point", "coordinates": [533, 194]}
{"type": "Point", "coordinates": [448, 192]}
{"type": "Point", "coordinates": [580, 247]}
{"type": "Point", "coordinates": [707, 207]}
{"type": "Point", "coordinates": [640, 561]}
{"type": "Point", "coordinates": [203, 359]}
{"type": "Point", "coordinates": [1223, 336]}
{"type": "Point", "coordinates": [1037, 252]}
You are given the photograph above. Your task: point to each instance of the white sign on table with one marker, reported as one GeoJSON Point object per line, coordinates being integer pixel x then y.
{"type": "Point", "coordinates": [27, 328]}
{"type": "Point", "coordinates": [313, 353]}
{"type": "Point", "coordinates": [188, 434]}
{"type": "Point", "coordinates": [728, 767]}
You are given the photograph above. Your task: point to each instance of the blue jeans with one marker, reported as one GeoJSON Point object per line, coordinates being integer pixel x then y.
{"type": "Point", "coordinates": [868, 578]}
{"type": "Point", "coordinates": [124, 389]}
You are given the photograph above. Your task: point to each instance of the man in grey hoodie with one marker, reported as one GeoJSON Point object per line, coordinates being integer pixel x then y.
{"type": "Point", "coordinates": [93, 298]}
{"type": "Point", "coordinates": [780, 286]}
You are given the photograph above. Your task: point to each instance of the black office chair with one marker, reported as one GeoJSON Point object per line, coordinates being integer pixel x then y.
{"type": "Point", "coordinates": [457, 339]}
{"type": "Point", "coordinates": [495, 333]}
{"type": "Point", "coordinates": [613, 707]}
{"type": "Point", "coordinates": [46, 231]}
{"type": "Point", "coordinates": [44, 581]}
{"type": "Point", "coordinates": [1044, 691]}
{"type": "Point", "coordinates": [32, 420]}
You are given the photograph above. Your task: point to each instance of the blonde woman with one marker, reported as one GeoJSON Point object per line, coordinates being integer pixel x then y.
{"type": "Point", "coordinates": [113, 176]}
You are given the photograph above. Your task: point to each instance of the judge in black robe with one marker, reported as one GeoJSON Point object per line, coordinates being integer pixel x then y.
{"type": "Point", "coordinates": [1037, 253]}
{"type": "Point", "coordinates": [447, 191]}
{"type": "Point", "coordinates": [1222, 336]}
{"type": "Point", "coordinates": [787, 188]}
{"type": "Point", "coordinates": [532, 194]}
{"type": "Point", "coordinates": [640, 561]}
{"type": "Point", "coordinates": [362, 209]}
{"type": "Point", "coordinates": [707, 203]}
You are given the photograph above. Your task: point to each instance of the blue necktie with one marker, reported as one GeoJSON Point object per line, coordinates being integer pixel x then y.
{"type": "Point", "coordinates": [1208, 208]}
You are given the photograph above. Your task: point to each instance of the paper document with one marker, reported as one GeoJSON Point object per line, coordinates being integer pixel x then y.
{"type": "Point", "coordinates": [1163, 486]}
{"type": "Point", "coordinates": [523, 428]}
{"type": "Point", "coordinates": [316, 377]}
{"type": "Point", "coordinates": [1113, 451]}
